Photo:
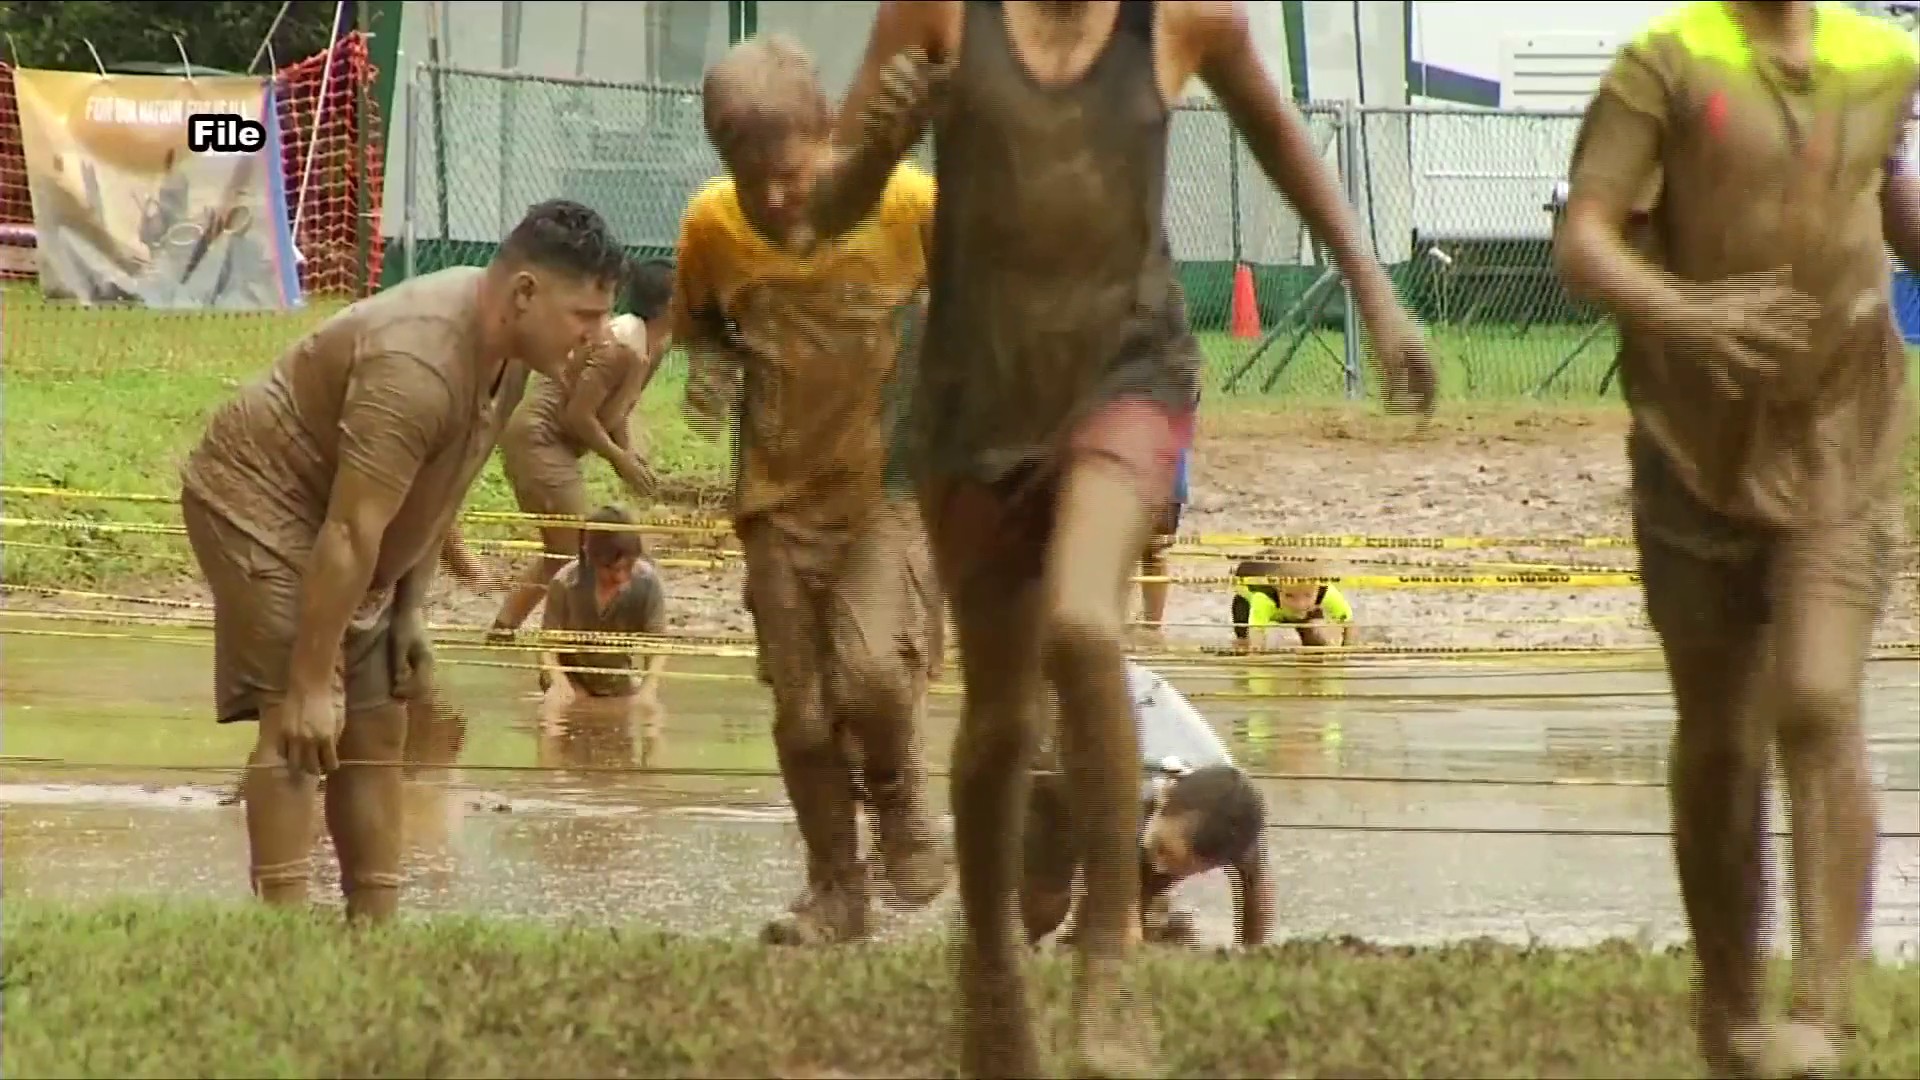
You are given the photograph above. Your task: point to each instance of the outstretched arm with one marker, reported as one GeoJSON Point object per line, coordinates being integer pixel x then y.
{"type": "Point", "coordinates": [1252, 896]}
{"type": "Point", "coordinates": [599, 379]}
{"type": "Point", "coordinates": [1284, 147]}
{"type": "Point", "coordinates": [389, 423]}
{"type": "Point", "coordinates": [883, 116]}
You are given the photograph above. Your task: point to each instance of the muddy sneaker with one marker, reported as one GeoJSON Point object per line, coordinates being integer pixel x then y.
{"type": "Point", "coordinates": [1785, 1051]}
{"type": "Point", "coordinates": [500, 635]}
{"type": "Point", "coordinates": [827, 915]}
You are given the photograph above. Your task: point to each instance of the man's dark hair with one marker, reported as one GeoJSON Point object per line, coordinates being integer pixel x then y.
{"type": "Point", "coordinates": [565, 236]}
{"type": "Point", "coordinates": [650, 288]}
{"type": "Point", "coordinates": [1226, 810]}
{"type": "Point", "coordinates": [604, 547]}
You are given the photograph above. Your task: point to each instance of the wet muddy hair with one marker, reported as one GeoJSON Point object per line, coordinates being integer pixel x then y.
{"type": "Point", "coordinates": [1226, 809]}
{"type": "Point", "coordinates": [650, 288]}
{"type": "Point", "coordinates": [763, 91]}
{"type": "Point", "coordinates": [567, 237]}
{"type": "Point", "coordinates": [604, 547]}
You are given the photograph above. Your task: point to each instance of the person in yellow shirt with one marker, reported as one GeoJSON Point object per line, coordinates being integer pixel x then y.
{"type": "Point", "coordinates": [799, 353]}
{"type": "Point", "coordinates": [1320, 614]}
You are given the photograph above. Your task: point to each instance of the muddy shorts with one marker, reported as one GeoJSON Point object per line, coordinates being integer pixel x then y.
{"type": "Point", "coordinates": [1706, 574]}
{"type": "Point", "coordinates": [256, 607]}
{"type": "Point", "coordinates": [1009, 522]}
{"type": "Point", "coordinates": [545, 476]}
{"type": "Point", "coordinates": [866, 593]}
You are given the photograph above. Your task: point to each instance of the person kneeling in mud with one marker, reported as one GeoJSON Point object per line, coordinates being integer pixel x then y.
{"type": "Point", "coordinates": [1200, 813]}
{"type": "Point", "coordinates": [610, 587]}
{"type": "Point", "coordinates": [1320, 613]}
{"type": "Point", "coordinates": [590, 409]}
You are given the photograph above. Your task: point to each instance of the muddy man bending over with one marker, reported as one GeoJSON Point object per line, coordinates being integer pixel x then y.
{"type": "Point", "coordinates": [589, 408]}
{"type": "Point", "coordinates": [316, 504]}
{"type": "Point", "coordinates": [798, 352]}
{"type": "Point", "coordinates": [1736, 183]}
{"type": "Point", "coordinates": [1058, 388]}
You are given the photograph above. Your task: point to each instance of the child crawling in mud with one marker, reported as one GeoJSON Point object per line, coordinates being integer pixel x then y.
{"type": "Point", "coordinates": [1319, 613]}
{"type": "Point", "coordinates": [1200, 813]}
{"type": "Point", "coordinates": [609, 587]}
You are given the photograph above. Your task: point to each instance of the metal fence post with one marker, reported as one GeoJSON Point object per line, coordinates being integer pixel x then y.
{"type": "Point", "coordinates": [1348, 159]}
{"type": "Point", "coordinates": [410, 199]}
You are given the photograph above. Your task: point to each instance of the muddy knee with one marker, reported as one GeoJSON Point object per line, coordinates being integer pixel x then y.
{"type": "Point", "coordinates": [1084, 640]}
{"type": "Point", "coordinates": [1819, 702]}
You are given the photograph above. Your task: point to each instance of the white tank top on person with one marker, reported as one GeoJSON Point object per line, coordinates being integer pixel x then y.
{"type": "Point", "coordinates": [1169, 726]}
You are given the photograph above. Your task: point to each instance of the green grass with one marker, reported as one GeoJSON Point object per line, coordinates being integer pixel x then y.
{"type": "Point", "coordinates": [110, 399]}
{"type": "Point", "coordinates": [154, 990]}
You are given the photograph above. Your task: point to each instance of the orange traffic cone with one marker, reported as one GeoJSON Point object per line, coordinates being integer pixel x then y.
{"type": "Point", "coordinates": [1246, 306]}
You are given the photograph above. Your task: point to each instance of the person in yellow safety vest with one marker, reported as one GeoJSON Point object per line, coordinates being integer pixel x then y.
{"type": "Point", "coordinates": [1319, 613]}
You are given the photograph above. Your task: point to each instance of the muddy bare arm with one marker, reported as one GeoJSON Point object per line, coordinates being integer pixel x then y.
{"type": "Point", "coordinates": [1280, 141]}
{"type": "Point", "coordinates": [391, 418]}
{"type": "Point", "coordinates": [582, 422]}
{"type": "Point", "coordinates": [1900, 207]}
{"type": "Point", "coordinates": [460, 561]}
{"type": "Point", "coordinates": [1252, 896]}
{"type": "Point", "coordinates": [1616, 156]}
{"type": "Point", "coordinates": [716, 373]}
{"type": "Point", "coordinates": [882, 117]}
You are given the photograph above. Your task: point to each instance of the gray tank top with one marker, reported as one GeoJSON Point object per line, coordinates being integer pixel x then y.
{"type": "Point", "coordinates": [1052, 287]}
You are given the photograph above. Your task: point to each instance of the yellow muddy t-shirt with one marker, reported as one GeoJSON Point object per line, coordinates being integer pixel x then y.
{"type": "Point", "coordinates": [820, 340]}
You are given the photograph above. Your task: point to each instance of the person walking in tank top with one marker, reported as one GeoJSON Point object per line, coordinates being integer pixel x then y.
{"type": "Point", "coordinates": [1057, 389]}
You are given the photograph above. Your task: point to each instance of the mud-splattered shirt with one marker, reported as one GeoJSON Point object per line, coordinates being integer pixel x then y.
{"type": "Point", "coordinates": [640, 608]}
{"type": "Point", "coordinates": [814, 344]}
{"type": "Point", "coordinates": [391, 386]}
{"type": "Point", "coordinates": [615, 366]}
{"type": "Point", "coordinates": [1759, 167]}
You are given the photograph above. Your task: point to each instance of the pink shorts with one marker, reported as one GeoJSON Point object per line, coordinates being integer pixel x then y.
{"type": "Point", "coordinates": [1010, 522]}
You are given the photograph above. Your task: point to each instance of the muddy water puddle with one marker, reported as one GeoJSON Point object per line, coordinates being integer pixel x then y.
{"type": "Point", "coordinates": [1412, 800]}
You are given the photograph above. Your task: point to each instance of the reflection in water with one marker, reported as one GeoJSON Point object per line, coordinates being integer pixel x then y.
{"type": "Point", "coordinates": [1267, 736]}
{"type": "Point", "coordinates": [488, 830]}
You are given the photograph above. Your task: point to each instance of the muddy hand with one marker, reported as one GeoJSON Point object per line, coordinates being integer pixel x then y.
{"type": "Point", "coordinates": [411, 656]}
{"type": "Point", "coordinates": [1742, 325]}
{"type": "Point", "coordinates": [640, 478]}
{"type": "Point", "coordinates": [310, 734]}
{"type": "Point", "coordinates": [1405, 365]}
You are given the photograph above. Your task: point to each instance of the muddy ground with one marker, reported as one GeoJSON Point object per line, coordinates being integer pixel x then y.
{"type": "Point", "coordinates": [1490, 474]}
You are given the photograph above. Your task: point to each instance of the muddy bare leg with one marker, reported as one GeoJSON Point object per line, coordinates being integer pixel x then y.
{"type": "Point", "coordinates": [1153, 594]}
{"type": "Point", "coordinates": [1046, 887]}
{"type": "Point", "coordinates": [876, 685]}
{"type": "Point", "coordinates": [1717, 777]}
{"type": "Point", "coordinates": [282, 815]}
{"type": "Point", "coordinates": [364, 803]}
{"type": "Point", "coordinates": [1102, 523]}
{"type": "Point", "coordinates": [998, 623]}
{"type": "Point", "coordinates": [1820, 657]}
{"type": "Point", "coordinates": [560, 545]}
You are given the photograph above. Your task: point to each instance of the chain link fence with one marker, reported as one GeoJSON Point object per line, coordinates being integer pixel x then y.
{"type": "Point", "coordinates": [486, 145]}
